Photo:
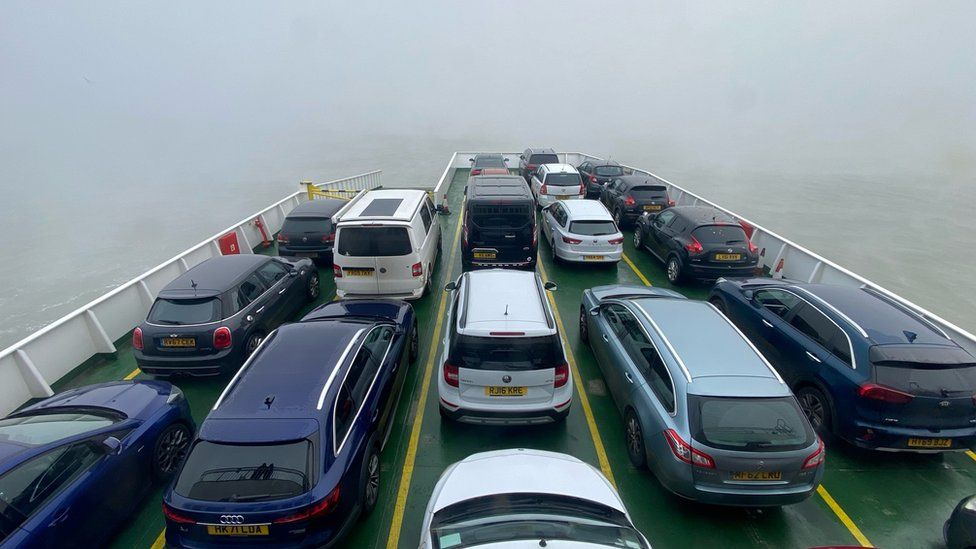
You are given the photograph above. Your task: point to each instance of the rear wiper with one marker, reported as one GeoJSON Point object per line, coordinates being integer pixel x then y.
{"type": "Point", "coordinates": [170, 322]}
{"type": "Point", "coordinates": [759, 443]}
{"type": "Point", "coordinates": [252, 497]}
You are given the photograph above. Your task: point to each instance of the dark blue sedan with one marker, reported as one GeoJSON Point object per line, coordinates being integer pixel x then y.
{"type": "Point", "coordinates": [73, 467]}
{"type": "Point", "coordinates": [289, 455]}
{"type": "Point", "coordinates": [862, 365]}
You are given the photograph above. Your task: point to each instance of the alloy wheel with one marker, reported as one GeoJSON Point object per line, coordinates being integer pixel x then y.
{"type": "Point", "coordinates": [583, 329]}
{"type": "Point", "coordinates": [637, 237]}
{"type": "Point", "coordinates": [313, 286]}
{"type": "Point", "coordinates": [372, 480]}
{"type": "Point", "coordinates": [171, 448]}
{"type": "Point", "coordinates": [813, 407]}
{"type": "Point", "coordinates": [635, 441]}
{"type": "Point", "coordinates": [253, 343]}
{"type": "Point", "coordinates": [673, 270]}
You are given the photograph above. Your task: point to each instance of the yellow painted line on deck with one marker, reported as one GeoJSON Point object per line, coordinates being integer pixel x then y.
{"type": "Point", "coordinates": [971, 454]}
{"type": "Point", "coordinates": [403, 490]}
{"type": "Point", "coordinates": [160, 540]}
{"type": "Point", "coordinates": [843, 516]}
{"type": "Point", "coordinates": [637, 271]}
{"type": "Point", "coordinates": [132, 374]}
{"type": "Point", "coordinates": [601, 453]}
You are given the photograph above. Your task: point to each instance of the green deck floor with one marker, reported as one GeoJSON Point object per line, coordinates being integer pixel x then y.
{"type": "Point", "coordinates": [894, 500]}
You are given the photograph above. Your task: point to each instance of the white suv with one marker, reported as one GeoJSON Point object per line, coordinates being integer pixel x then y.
{"type": "Point", "coordinates": [554, 182]}
{"type": "Point", "coordinates": [503, 361]}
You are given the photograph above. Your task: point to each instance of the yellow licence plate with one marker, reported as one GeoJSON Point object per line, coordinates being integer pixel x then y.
{"type": "Point", "coordinates": [757, 475]}
{"type": "Point", "coordinates": [652, 207]}
{"type": "Point", "coordinates": [593, 258]}
{"type": "Point", "coordinates": [930, 443]}
{"type": "Point", "coordinates": [561, 197]}
{"type": "Point", "coordinates": [728, 257]}
{"type": "Point", "coordinates": [179, 342]}
{"type": "Point", "coordinates": [506, 391]}
{"type": "Point", "coordinates": [485, 255]}
{"type": "Point", "coordinates": [237, 530]}
{"type": "Point", "coordinates": [358, 272]}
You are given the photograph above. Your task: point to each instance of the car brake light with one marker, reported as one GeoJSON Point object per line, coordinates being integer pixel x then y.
{"type": "Point", "coordinates": [328, 238]}
{"type": "Point", "coordinates": [817, 457]}
{"type": "Point", "coordinates": [684, 452]}
{"type": "Point", "coordinates": [531, 166]}
{"type": "Point", "coordinates": [616, 241]}
{"type": "Point", "coordinates": [417, 269]}
{"type": "Point", "coordinates": [670, 202]}
{"type": "Point", "coordinates": [695, 247]}
{"type": "Point", "coordinates": [451, 374]}
{"type": "Point", "coordinates": [535, 235]}
{"type": "Point", "coordinates": [476, 171]}
{"type": "Point", "coordinates": [282, 238]}
{"type": "Point", "coordinates": [323, 507]}
{"type": "Point", "coordinates": [506, 334]}
{"type": "Point", "coordinates": [336, 271]}
{"type": "Point", "coordinates": [464, 229]}
{"type": "Point", "coordinates": [592, 179]}
{"type": "Point", "coordinates": [753, 249]}
{"type": "Point", "coordinates": [569, 240]}
{"type": "Point", "coordinates": [582, 190]}
{"type": "Point", "coordinates": [221, 338]}
{"type": "Point", "coordinates": [172, 515]}
{"type": "Point", "coordinates": [629, 201]}
{"type": "Point", "coordinates": [543, 189]}
{"type": "Point", "coordinates": [561, 375]}
{"type": "Point", "coordinates": [884, 394]}
{"type": "Point", "coordinates": [137, 339]}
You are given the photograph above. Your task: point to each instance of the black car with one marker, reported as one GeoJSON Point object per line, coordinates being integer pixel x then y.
{"type": "Point", "coordinates": [308, 230]}
{"type": "Point", "coordinates": [212, 317]}
{"type": "Point", "coordinates": [498, 223]}
{"type": "Point", "coordinates": [598, 174]}
{"type": "Point", "coordinates": [960, 529]}
{"type": "Point", "coordinates": [488, 161]}
{"type": "Point", "coordinates": [630, 196]}
{"type": "Point", "coordinates": [697, 242]}
{"type": "Point", "coordinates": [531, 159]}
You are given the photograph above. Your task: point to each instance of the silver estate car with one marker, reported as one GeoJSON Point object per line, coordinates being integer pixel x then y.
{"type": "Point", "coordinates": [583, 231]}
{"type": "Point", "coordinates": [703, 409]}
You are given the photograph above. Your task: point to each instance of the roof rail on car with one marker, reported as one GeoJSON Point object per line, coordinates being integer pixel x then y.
{"type": "Point", "coordinates": [338, 215]}
{"type": "Point", "coordinates": [907, 310]}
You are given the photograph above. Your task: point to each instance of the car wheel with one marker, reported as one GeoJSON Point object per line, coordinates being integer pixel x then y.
{"type": "Point", "coordinates": [429, 283]}
{"type": "Point", "coordinates": [635, 441]}
{"type": "Point", "coordinates": [617, 218]}
{"type": "Point", "coordinates": [312, 289]}
{"type": "Point", "coordinates": [552, 249]}
{"type": "Point", "coordinates": [816, 407]}
{"type": "Point", "coordinates": [638, 238]}
{"type": "Point", "coordinates": [719, 304]}
{"type": "Point", "coordinates": [673, 270]}
{"type": "Point", "coordinates": [371, 480]}
{"type": "Point", "coordinates": [252, 344]}
{"type": "Point", "coordinates": [584, 330]}
{"type": "Point", "coordinates": [414, 344]}
{"type": "Point", "coordinates": [169, 450]}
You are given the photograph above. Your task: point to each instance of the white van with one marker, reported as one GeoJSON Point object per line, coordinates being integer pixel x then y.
{"type": "Point", "coordinates": [386, 244]}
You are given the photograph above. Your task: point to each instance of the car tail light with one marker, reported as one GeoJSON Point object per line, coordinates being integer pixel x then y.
{"type": "Point", "coordinates": [543, 189]}
{"type": "Point", "coordinates": [531, 166]}
{"type": "Point", "coordinates": [695, 247]}
{"type": "Point", "coordinates": [323, 507]}
{"type": "Point", "coordinates": [328, 238]}
{"type": "Point", "coordinates": [817, 457]}
{"type": "Point", "coordinates": [629, 201]}
{"type": "Point", "coordinates": [417, 269]}
{"type": "Point", "coordinates": [753, 249]}
{"type": "Point", "coordinates": [476, 171]}
{"type": "Point", "coordinates": [561, 375]}
{"type": "Point", "coordinates": [137, 339]}
{"type": "Point", "coordinates": [282, 238]}
{"type": "Point", "coordinates": [616, 241]}
{"type": "Point", "coordinates": [451, 374]}
{"type": "Point", "coordinates": [592, 179]}
{"type": "Point", "coordinates": [683, 451]}
{"type": "Point", "coordinates": [884, 394]}
{"type": "Point", "coordinates": [569, 240]}
{"type": "Point", "coordinates": [174, 516]}
{"type": "Point", "coordinates": [464, 229]}
{"type": "Point", "coordinates": [535, 236]}
{"type": "Point", "coordinates": [221, 338]}
{"type": "Point", "coordinates": [670, 202]}
{"type": "Point", "coordinates": [582, 190]}
{"type": "Point", "coordinates": [336, 271]}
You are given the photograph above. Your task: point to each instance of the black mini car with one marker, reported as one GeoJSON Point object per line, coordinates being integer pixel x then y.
{"type": "Point", "coordinates": [597, 174]}
{"type": "Point", "coordinates": [630, 196]}
{"type": "Point", "coordinates": [308, 230]}
{"type": "Point", "coordinates": [499, 224]}
{"type": "Point", "coordinates": [531, 159]}
{"type": "Point", "coordinates": [697, 242]}
{"type": "Point", "coordinates": [212, 317]}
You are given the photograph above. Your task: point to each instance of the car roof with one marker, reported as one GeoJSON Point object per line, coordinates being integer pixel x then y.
{"type": "Point", "coordinates": [590, 209]}
{"type": "Point", "coordinates": [640, 179]}
{"type": "Point", "coordinates": [291, 368]}
{"type": "Point", "coordinates": [489, 155]}
{"type": "Point", "coordinates": [540, 151]}
{"type": "Point", "coordinates": [703, 215]}
{"type": "Point", "coordinates": [213, 276]}
{"type": "Point", "coordinates": [559, 168]}
{"type": "Point", "coordinates": [598, 163]}
{"type": "Point", "coordinates": [503, 300]}
{"type": "Point", "coordinates": [391, 204]}
{"type": "Point", "coordinates": [498, 186]}
{"type": "Point", "coordinates": [685, 323]}
{"type": "Point", "coordinates": [317, 208]}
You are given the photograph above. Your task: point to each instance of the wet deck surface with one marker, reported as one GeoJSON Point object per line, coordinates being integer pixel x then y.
{"type": "Point", "coordinates": [890, 500]}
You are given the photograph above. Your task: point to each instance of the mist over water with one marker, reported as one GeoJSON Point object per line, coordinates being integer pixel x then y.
{"type": "Point", "coordinates": [132, 131]}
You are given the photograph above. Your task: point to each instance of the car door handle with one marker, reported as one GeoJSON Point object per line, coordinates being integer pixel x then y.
{"type": "Point", "coordinates": [629, 379]}
{"type": "Point", "coordinates": [61, 517]}
{"type": "Point", "coordinates": [767, 323]}
{"type": "Point", "coordinates": [283, 290]}
{"type": "Point", "coordinates": [259, 310]}
{"type": "Point", "coordinates": [813, 357]}
{"type": "Point", "coordinates": [606, 338]}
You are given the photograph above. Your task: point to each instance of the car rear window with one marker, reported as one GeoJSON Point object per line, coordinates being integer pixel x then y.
{"type": "Point", "coordinates": [373, 241]}
{"type": "Point", "coordinates": [720, 234]}
{"type": "Point", "coordinates": [502, 216]}
{"type": "Point", "coordinates": [543, 159]}
{"type": "Point", "coordinates": [649, 192]}
{"type": "Point", "coordinates": [185, 311]}
{"type": "Point", "coordinates": [563, 179]}
{"type": "Point", "coordinates": [238, 472]}
{"type": "Point", "coordinates": [506, 353]}
{"type": "Point", "coordinates": [749, 424]}
{"type": "Point", "coordinates": [609, 171]}
{"type": "Point", "coordinates": [40, 429]}
{"type": "Point", "coordinates": [592, 228]}
{"type": "Point", "coordinates": [301, 225]}
{"type": "Point", "coordinates": [929, 370]}
{"type": "Point", "coordinates": [489, 162]}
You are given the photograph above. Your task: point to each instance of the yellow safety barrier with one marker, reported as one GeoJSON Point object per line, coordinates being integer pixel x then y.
{"type": "Point", "coordinates": [314, 191]}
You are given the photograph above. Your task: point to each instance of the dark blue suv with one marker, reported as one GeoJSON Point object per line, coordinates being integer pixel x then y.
{"type": "Point", "coordinates": [862, 365]}
{"type": "Point", "coordinates": [289, 455]}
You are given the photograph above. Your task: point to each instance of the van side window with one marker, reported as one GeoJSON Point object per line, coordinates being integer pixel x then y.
{"type": "Point", "coordinates": [777, 301]}
{"type": "Point", "coordinates": [249, 290]}
{"type": "Point", "coordinates": [425, 216]}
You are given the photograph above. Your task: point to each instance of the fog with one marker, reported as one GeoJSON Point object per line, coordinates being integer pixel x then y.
{"type": "Point", "coordinates": [132, 130]}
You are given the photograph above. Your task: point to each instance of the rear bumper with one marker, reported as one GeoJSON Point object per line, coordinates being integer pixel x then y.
{"type": "Point", "coordinates": [522, 417]}
{"type": "Point", "coordinates": [189, 366]}
{"type": "Point", "coordinates": [580, 257]}
{"type": "Point", "coordinates": [546, 199]}
{"type": "Point", "coordinates": [527, 265]}
{"type": "Point", "coordinates": [317, 251]}
{"type": "Point", "coordinates": [895, 439]}
{"type": "Point", "coordinates": [710, 272]}
{"type": "Point", "coordinates": [408, 296]}
{"type": "Point", "coordinates": [749, 498]}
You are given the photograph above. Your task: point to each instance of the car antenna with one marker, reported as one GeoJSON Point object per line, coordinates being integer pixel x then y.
{"type": "Point", "coordinates": [193, 285]}
{"type": "Point", "coordinates": [910, 336]}
{"type": "Point", "coordinates": [506, 309]}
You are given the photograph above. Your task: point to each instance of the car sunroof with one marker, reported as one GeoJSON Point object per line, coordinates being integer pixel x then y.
{"type": "Point", "coordinates": [382, 207]}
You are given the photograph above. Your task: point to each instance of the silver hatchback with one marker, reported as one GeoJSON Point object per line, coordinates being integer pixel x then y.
{"type": "Point", "coordinates": [582, 231]}
{"type": "Point", "coordinates": [703, 408]}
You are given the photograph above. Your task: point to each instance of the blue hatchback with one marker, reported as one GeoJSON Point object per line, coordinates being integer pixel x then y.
{"type": "Point", "coordinates": [289, 455]}
{"type": "Point", "coordinates": [73, 466]}
{"type": "Point", "coordinates": [862, 365]}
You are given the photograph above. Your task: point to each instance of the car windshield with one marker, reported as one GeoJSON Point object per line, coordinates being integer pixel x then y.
{"type": "Point", "coordinates": [40, 429]}
{"type": "Point", "coordinates": [531, 517]}
{"type": "Point", "coordinates": [185, 311]}
{"type": "Point", "coordinates": [563, 179]}
{"type": "Point", "coordinates": [238, 472]}
{"type": "Point", "coordinates": [489, 162]}
{"type": "Point", "coordinates": [592, 228]}
{"type": "Point", "coordinates": [506, 353]}
{"type": "Point", "coordinates": [720, 234]}
{"type": "Point", "coordinates": [374, 241]}
{"type": "Point", "coordinates": [609, 171]}
{"type": "Point", "coordinates": [750, 424]}
{"type": "Point", "coordinates": [649, 192]}
{"type": "Point", "coordinates": [299, 225]}
{"type": "Point", "coordinates": [538, 159]}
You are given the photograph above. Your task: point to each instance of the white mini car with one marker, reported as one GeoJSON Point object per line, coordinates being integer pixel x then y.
{"type": "Point", "coordinates": [582, 231]}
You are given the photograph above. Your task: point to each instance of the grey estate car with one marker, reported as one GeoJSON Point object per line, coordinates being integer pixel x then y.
{"type": "Point", "coordinates": [702, 408]}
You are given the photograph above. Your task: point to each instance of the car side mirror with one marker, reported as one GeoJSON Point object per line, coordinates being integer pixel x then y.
{"type": "Point", "coordinates": [293, 272]}
{"type": "Point", "coordinates": [749, 294]}
{"type": "Point", "coordinates": [111, 446]}
{"type": "Point", "coordinates": [471, 160]}
{"type": "Point", "coordinates": [595, 311]}
{"type": "Point", "coordinates": [450, 287]}
{"type": "Point", "coordinates": [550, 286]}
{"type": "Point", "coordinates": [521, 157]}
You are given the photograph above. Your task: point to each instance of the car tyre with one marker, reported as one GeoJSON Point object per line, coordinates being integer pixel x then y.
{"type": "Point", "coordinates": [720, 305]}
{"type": "Point", "coordinates": [414, 344]}
{"type": "Point", "coordinates": [673, 270]}
{"type": "Point", "coordinates": [618, 218]}
{"type": "Point", "coordinates": [584, 330]}
{"type": "Point", "coordinates": [552, 249]}
{"type": "Point", "coordinates": [636, 450]}
{"type": "Point", "coordinates": [638, 237]}
{"type": "Point", "coordinates": [371, 479]}
{"type": "Point", "coordinates": [312, 288]}
{"type": "Point", "coordinates": [253, 342]}
{"type": "Point", "coordinates": [816, 407]}
{"type": "Point", "coordinates": [169, 450]}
